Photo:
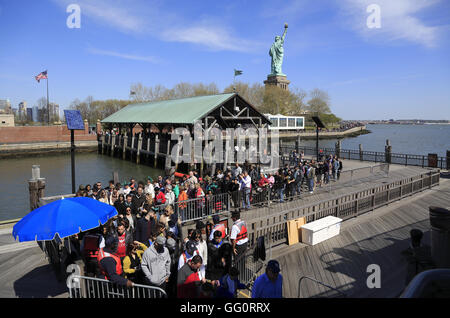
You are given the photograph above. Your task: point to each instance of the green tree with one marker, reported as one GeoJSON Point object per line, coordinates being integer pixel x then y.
{"type": "Point", "coordinates": [319, 102]}
{"type": "Point", "coordinates": [253, 94]}
{"type": "Point", "coordinates": [94, 110]}
{"type": "Point", "coordinates": [141, 93]}
{"type": "Point", "coordinates": [280, 101]}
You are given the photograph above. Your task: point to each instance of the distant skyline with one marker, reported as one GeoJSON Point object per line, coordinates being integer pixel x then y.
{"type": "Point", "coordinates": [400, 70]}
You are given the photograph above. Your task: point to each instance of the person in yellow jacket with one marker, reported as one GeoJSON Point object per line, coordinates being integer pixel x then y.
{"type": "Point", "coordinates": [132, 262]}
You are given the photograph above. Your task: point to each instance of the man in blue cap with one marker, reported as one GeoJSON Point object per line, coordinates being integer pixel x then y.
{"type": "Point", "coordinates": [269, 284]}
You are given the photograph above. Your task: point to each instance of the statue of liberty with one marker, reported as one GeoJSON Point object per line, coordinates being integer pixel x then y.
{"type": "Point", "coordinates": [277, 52]}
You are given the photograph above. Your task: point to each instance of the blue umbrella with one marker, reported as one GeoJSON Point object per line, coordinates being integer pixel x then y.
{"type": "Point", "coordinates": [64, 217]}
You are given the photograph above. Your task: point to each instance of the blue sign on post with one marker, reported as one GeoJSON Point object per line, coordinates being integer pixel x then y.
{"type": "Point", "coordinates": [74, 120]}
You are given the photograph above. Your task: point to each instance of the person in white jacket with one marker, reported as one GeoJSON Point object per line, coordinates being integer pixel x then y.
{"type": "Point", "coordinates": [149, 188]}
{"type": "Point", "coordinates": [170, 196]}
{"type": "Point", "coordinates": [190, 250]}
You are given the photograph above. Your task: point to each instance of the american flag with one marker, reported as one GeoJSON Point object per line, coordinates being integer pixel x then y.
{"type": "Point", "coordinates": [42, 75]}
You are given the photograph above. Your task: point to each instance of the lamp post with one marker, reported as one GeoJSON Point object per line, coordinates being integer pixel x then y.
{"type": "Point", "coordinates": [319, 124]}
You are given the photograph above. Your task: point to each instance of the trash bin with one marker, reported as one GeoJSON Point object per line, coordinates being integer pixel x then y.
{"type": "Point", "coordinates": [440, 236]}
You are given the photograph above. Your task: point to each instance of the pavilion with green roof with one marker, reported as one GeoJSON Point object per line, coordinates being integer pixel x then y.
{"type": "Point", "coordinates": [221, 110]}
{"type": "Point", "coordinates": [144, 128]}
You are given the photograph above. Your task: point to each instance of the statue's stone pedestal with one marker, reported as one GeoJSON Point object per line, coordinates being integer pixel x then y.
{"type": "Point", "coordinates": [278, 80]}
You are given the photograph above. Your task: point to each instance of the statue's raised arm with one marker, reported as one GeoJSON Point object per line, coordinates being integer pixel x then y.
{"type": "Point", "coordinates": [284, 33]}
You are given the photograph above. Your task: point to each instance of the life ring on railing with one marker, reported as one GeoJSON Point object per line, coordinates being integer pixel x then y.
{"type": "Point", "coordinates": [180, 175]}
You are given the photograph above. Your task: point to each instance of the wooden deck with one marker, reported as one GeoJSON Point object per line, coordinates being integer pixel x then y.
{"type": "Point", "coordinates": [24, 271]}
{"type": "Point", "coordinates": [377, 237]}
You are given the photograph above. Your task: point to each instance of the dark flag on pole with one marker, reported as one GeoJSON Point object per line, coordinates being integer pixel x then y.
{"type": "Point", "coordinates": [42, 75]}
{"type": "Point", "coordinates": [237, 72]}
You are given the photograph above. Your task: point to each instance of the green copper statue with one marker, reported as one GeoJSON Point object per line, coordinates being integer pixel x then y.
{"type": "Point", "coordinates": [277, 52]}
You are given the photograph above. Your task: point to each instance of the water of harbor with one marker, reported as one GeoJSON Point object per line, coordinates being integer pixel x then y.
{"type": "Point", "coordinates": [56, 169]}
{"type": "Point", "coordinates": [405, 139]}
{"type": "Point", "coordinates": [91, 167]}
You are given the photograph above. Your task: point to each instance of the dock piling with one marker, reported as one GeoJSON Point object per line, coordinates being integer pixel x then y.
{"type": "Point", "coordinates": [139, 147]}
{"type": "Point", "coordinates": [156, 150]}
{"type": "Point", "coordinates": [125, 143]}
{"type": "Point", "coordinates": [388, 152]}
{"type": "Point", "coordinates": [36, 186]}
{"type": "Point", "coordinates": [113, 145]}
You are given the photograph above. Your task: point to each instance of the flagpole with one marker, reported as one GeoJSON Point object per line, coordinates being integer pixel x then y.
{"type": "Point", "coordinates": [48, 108]}
{"type": "Point", "coordinates": [234, 78]}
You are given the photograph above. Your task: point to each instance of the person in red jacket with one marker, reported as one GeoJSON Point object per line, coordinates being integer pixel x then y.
{"type": "Point", "coordinates": [124, 238]}
{"type": "Point", "coordinates": [160, 198]}
{"type": "Point", "coordinates": [188, 280]}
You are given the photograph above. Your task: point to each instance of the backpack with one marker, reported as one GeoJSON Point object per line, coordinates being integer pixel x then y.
{"type": "Point", "coordinates": [309, 173]}
{"type": "Point", "coordinates": [298, 176]}
{"type": "Point", "coordinates": [260, 249]}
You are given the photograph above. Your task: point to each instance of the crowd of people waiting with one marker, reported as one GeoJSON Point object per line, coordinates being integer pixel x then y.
{"type": "Point", "coordinates": [144, 243]}
{"type": "Point", "coordinates": [200, 264]}
{"type": "Point", "coordinates": [245, 186]}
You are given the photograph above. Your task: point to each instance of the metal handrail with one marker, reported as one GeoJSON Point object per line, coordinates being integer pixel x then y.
{"type": "Point", "coordinates": [318, 282]}
{"type": "Point", "coordinates": [200, 208]}
{"type": "Point", "coordinates": [333, 198]}
{"type": "Point", "coordinates": [430, 175]}
{"type": "Point", "coordinates": [90, 288]}
{"type": "Point", "coordinates": [265, 201]}
{"type": "Point", "coordinates": [242, 262]}
{"type": "Point", "coordinates": [441, 160]}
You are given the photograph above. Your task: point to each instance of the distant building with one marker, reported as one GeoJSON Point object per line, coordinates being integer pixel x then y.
{"type": "Point", "coordinates": [29, 114]}
{"type": "Point", "coordinates": [54, 111]}
{"type": "Point", "coordinates": [35, 114]}
{"type": "Point", "coordinates": [5, 106]}
{"type": "Point", "coordinates": [42, 115]}
{"type": "Point", "coordinates": [14, 111]}
{"type": "Point", "coordinates": [22, 110]}
{"type": "Point", "coordinates": [6, 120]}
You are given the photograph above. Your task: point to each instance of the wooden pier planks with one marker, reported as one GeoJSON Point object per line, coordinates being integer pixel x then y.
{"type": "Point", "coordinates": [376, 238]}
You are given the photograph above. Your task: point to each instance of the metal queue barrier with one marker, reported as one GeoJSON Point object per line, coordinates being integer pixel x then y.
{"type": "Point", "coordinates": [89, 287]}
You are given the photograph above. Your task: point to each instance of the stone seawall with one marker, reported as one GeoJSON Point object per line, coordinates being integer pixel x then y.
{"type": "Point", "coordinates": [39, 134]}
{"type": "Point", "coordinates": [326, 134]}
{"type": "Point", "coordinates": [21, 150]}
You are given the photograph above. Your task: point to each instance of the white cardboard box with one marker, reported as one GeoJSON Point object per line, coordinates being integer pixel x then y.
{"type": "Point", "coordinates": [321, 230]}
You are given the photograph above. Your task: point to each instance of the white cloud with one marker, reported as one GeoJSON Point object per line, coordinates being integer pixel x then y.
{"type": "Point", "coordinates": [150, 59]}
{"type": "Point", "coordinates": [124, 16]}
{"type": "Point", "coordinates": [118, 17]}
{"type": "Point", "coordinates": [213, 37]}
{"type": "Point", "coordinates": [148, 19]}
{"type": "Point", "coordinates": [399, 20]}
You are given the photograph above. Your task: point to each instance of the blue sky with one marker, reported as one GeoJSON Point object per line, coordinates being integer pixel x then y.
{"type": "Point", "coordinates": [401, 70]}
